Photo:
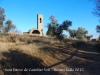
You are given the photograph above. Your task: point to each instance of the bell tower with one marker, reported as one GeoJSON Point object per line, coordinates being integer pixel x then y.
{"type": "Point", "coordinates": [40, 22]}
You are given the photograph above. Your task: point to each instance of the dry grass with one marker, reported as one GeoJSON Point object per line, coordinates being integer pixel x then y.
{"type": "Point", "coordinates": [21, 48]}
{"type": "Point", "coordinates": [38, 46]}
{"type": "Point", "coordinates": [11, 45]}
{"type": "Point", "coordinates": [22, 51]}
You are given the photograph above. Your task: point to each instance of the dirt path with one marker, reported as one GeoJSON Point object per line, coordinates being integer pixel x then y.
{"type": "Point", "coordinates": [82, 61]}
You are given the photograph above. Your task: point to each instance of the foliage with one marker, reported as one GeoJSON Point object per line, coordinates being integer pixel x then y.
{"type": "Point", "coordinates": [80, 33]}
{"type": "Point", "coordinates": [98, 28]}
{"type": "Point", "coordinates": [72, 33]}
{"type": "Point", "coordinates": [8, 26]}
{"type": "Point", "coordinates": [99, 38]}
{"type": "Point", "coordinates": [55, 29]}
{"type": "Point", "coordinates": [64, 36]}
{"type": "Point", "coordinates": [89, 37]}
{"type": "Point", "coordinates": [58, 30]}
{"type": "Point", "coordinates": [2, 15]}
{"type": "Point", "coordinates": [51, 25]}
{"type": "Point", "coordinates": [97, 8]}
{"type": "Point", "coordinates": [2, 18]}
{"type": "Point", "coordinates": [49, 31]}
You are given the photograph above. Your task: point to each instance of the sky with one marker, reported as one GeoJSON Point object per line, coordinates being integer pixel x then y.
{"type": "Point", "coordinates": [23, 13]}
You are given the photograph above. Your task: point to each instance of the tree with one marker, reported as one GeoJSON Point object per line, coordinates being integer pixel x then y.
{"type": "Point", "coordinates": [2, 18]}
{"type": "Point", "coordinates": [50, 25]}
{"type": "Point", "coordinates": [50, 30]}
{"type": "Point", "coordinates": [89, 37]}
{"type": "Point", "coordinates": [8, 26]}
{"type": "Point", "coordinates": [80, 33]}
{"type": "Point", "coordinates": [98, 28]}
{"type": "Point", "coordinates": [55, 29]}
{"type": "Point", "coordinates": [72, 33]}
{"type": "Point", "coordinates": [64, 35]}
{"type": "Point", "coordinates": [99, 38]}
{"type": "Point", "coordinates": [97, 8]}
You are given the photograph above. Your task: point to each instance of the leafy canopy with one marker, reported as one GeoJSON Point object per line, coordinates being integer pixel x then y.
{"type": "Point", "coordinates": [55, 29]}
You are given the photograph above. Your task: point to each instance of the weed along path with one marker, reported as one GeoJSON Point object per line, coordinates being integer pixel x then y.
{"type": "Point", "coordinates": [84, 60]}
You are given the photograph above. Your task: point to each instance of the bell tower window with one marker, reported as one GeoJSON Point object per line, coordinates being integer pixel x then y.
{"type": "Point", "coordinates": [40, 20]}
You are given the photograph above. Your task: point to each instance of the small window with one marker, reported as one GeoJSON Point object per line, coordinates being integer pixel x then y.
{"type": "Point", "coordinates": [40, 20]}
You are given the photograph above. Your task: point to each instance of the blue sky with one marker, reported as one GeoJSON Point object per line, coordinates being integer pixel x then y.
{"type": "Point", "coordinates": [23, 13]}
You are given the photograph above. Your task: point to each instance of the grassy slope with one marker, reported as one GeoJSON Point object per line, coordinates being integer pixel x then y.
{"type": "Point", "coordinates": [20, 51]}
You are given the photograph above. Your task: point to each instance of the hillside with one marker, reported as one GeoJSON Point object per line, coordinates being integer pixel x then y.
{"type": "Point", "coordinates": [34, 55]}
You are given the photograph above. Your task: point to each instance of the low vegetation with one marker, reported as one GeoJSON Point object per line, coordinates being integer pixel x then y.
{"type": "Point", "coordinates": [20, 48]}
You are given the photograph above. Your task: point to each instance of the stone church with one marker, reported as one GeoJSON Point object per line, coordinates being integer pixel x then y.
{"type": "Point", "coordinates": [39, 30]}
